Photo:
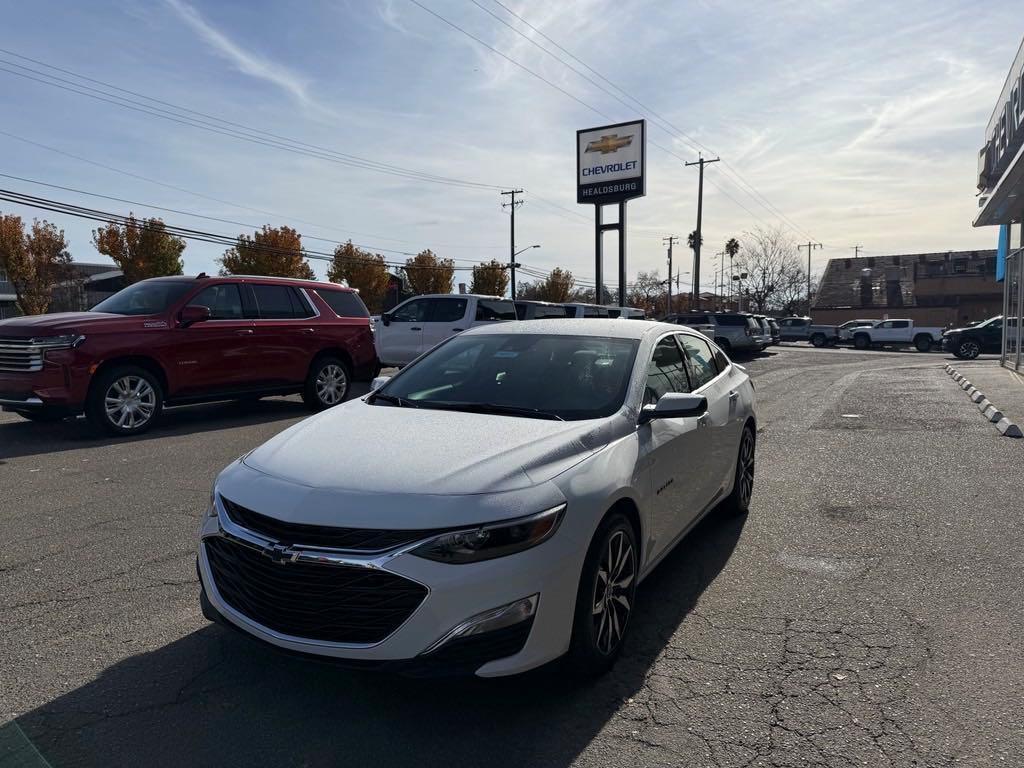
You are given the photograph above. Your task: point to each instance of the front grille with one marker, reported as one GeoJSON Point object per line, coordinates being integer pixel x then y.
{"type": "Point", "coordinates": [19, 355]}
{"type": "Point", "coordinates": [318, 601]}
{"type": "Point", "coordinates": [365, 540]}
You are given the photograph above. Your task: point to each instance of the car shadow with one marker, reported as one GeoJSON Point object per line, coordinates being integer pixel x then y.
{"type": "Point", "coordinates": [216, 698]}
{"type": "Point", "coordinates": [20, 437]}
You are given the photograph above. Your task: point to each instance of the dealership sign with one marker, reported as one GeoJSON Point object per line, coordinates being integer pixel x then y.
{"type": "Point", "coordinates": [610, 163]}
{"type": "Point", "coordinates": [1001, 159]}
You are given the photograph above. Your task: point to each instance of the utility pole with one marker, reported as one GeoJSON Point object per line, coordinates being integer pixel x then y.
{"type": "Point", "coordinates": [700, 206]}
{"type": "Point", "coordinates": [810, 247]}
{"type": "Point", "coordinates": [856, 250]}
{"type": "Point", "coordinates": [512, 235]}
{"type": "Point", "coordinates": [720, 282]}
{"type": "Point", "coordinates": [669, 241]}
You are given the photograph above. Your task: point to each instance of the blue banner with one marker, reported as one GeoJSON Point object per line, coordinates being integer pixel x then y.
{"type": "Point", "coordinates": [1004, 250]}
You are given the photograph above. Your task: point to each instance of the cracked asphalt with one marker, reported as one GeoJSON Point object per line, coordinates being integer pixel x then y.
{"type": "Point", "coordinates": [867, 612]}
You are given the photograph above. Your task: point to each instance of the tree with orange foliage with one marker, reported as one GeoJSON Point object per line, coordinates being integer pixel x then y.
{"type": "Point", "coordinates": [271, 251]}
{"type": "Point", "coordinates": [429, 274]}
{"type": "Point", "coordinates": [36, 262]}
{"type": "Point", "coordinates": [141, 249]}
{"type": "Point", "coordinates": [362, 270]}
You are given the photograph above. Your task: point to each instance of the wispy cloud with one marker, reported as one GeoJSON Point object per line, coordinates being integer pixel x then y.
{"type": "Point", "coordinates": [245, 62]}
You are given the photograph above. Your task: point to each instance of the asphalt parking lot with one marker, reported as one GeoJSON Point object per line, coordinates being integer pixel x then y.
{"type": "Point", "coordinates": [866, 612]}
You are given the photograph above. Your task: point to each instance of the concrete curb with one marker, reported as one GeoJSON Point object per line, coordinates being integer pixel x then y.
{"type": "Point", "coordinates": [1006, 427]}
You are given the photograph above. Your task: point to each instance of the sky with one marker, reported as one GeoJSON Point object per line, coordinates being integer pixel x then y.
{"type": "Point", "coordinates": [841, 122]}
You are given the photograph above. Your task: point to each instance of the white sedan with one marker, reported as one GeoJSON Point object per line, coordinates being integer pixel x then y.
{"type": "Point", "coordinates": [491, 507]}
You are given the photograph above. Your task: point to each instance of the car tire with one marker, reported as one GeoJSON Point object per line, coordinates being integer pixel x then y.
{"type": "Point", "coordinates": [818, 340]}
{"type": "Point", "coordinates": [923, 343]}
{"type": "Point", "coordinates": [327, 383]}
{"type": "Point", "coordinates": [725, 346]}
{"type": "Point", "coordinates": [737, 503]}
{"type": "Point", "coordinates": [598, 636]}
{"type": "Point", "coordinates": [968, 349]}
{"type": "Point", "coordinates": [862, 341]}
{"type": "Point", "coordinates": [124, 400]}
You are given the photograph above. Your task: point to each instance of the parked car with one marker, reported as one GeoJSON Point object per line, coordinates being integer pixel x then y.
{"type": "Point", "coordinates": [764, 334]}
{"type": "Point", "coordinates": [846, 329]}
{"type": "Point", "coordinates": [897, 333]}
{"type": "Point", "coordinates": [543, 310]}
{"type": "Point", "coordinates": [773, 326]}
{"type": "Point", "coordinates": [423, 322]}
{"type": "Point", "coordinates": [969, 342]}
{"type": "Point", "coordinates": [577, 454]}
{"type": "Point", "coordinates": [587, 310]}
{"type": "Point", "coordinates": [627, 313]}
{"type": "Point", "coordinates": [176, 340]}
{"type": "Point", "coordinates": [803, 329]}
{"type": "Point", "coordinates": [732, 331]}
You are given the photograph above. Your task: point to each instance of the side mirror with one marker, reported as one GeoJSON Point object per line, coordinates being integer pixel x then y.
{"type": "Point", "coordinates": [674, 405]}
{"type": "Point", "coordinates": [194, 313]}
{"type": "Point", "coordinates": [385, 317]}
{"type": "Point", "coordinates": [379, 382]}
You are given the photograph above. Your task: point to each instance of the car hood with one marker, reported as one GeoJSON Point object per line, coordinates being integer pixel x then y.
{"type": "Point", "coordinates": [61, 322]}
{"type": "Point", "coordinates": [952, 331]}
{"type": "Point", "coordinates": [385, 449]}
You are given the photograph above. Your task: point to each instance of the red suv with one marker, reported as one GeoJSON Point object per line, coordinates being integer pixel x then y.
{"type": "Point", "coordinates": [177, 340]}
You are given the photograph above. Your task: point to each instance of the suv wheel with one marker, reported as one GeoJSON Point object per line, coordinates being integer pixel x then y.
{"type": "Point", "coordinates": [124, 400]}
{"type": "Point", "coordinates": [968, 349]}
{"type": "Point", "coordinates": [818, 339]}
{"type": "Point", "coordinates": [862, 341]}
{"type": "Point", "coordinates": [327, 383]}
{"type": "Point", "coordinates": [604, 601]}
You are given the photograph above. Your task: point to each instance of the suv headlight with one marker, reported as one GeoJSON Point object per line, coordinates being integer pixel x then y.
{"type": "Point", "coordinates": [57, 343]}
{"type": "Point", "coordinates": [487, 542]}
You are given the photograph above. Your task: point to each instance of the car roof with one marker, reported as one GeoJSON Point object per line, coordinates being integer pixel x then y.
{"type": "Point", "coordinates": [615, 328]}
{"type": "Point", "coordinates": [298, 282]}
{"type": "Point", "coordinates": [457, 296]}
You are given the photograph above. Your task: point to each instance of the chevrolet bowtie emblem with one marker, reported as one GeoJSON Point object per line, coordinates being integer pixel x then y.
{"type": "Point", "coordinates": [608, 144]}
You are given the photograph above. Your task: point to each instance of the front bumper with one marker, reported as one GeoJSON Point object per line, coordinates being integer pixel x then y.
{"type": "Point", "coordinates": [453, 594]}
{"type": "Point", "coordinates": [59, 386]}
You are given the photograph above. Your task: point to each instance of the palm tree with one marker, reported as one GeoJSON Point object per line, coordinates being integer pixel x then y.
{"type": "Point", "coordinates": [732, 247]}
{"type": "Point", "coordinates": [691, 240]}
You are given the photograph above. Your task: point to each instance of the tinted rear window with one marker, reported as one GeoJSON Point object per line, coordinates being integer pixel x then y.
{"type": "Point", "coordinates": [495, 309]}
{"type": "Point", "coordinates": [279, 302]}
{"type": "Point", "coordinates": [344, 303]}
{"type": "Point", "coordinates": [595, 312]}
{"type": "Point", "coordinates": [737, 321]}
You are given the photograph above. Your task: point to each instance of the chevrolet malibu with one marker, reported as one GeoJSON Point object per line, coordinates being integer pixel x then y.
{"type": "Point", "coordinates": [490, 508]}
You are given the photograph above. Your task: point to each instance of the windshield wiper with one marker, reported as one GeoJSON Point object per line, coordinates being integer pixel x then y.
{"type": "Point", "coordinates": [394, 400]}
{"type": "Point", "coordinates": [508, 410]}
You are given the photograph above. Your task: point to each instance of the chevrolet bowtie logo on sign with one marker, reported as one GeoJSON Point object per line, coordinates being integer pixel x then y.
{"type": "Point", "coordinates": [608, 144]}
{"type": "Point", "coordinates": [610, 163]}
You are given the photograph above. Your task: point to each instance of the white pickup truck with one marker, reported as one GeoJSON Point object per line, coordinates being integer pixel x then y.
{"type": "Point", "coordinates": [897, 333]}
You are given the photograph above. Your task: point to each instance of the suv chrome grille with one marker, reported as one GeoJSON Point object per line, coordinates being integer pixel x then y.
{"type": "Point", "coordinates": [20, 355]}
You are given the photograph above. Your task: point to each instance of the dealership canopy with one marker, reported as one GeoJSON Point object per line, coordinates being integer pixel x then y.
{"type": "Point", "coordinates": [1001, 160]}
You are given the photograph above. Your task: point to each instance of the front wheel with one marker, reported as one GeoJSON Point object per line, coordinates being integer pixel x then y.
{"type": "Point", "coordinates": [124, 400]}
{"type": "Point", "coordinates": [818, 340]}
{"type": "Point", "coordinates": [327, 383]}
{"type": "Point", "coordinates": [605, 598]}
{"type": "Point", "coordinates": [861, 341]}
{"type": "Point", "coordinates": [738, 502]}
{"type": "Point", "coordinates": [968, 349]}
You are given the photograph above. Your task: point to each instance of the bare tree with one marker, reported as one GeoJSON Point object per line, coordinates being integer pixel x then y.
{"type": "Point", "coordinates": [772, 264]}
{"type": "Point", "coordinates": [647, 292]}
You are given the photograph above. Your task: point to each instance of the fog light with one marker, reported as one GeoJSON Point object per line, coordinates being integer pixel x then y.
{"type": "Point", "coordinates": [488, 621]}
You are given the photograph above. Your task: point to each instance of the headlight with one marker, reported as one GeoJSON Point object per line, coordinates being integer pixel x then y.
{"type": "Point", "coordinates": [55, 343]}
{"type": "Point", "coordinates": [493, 540]}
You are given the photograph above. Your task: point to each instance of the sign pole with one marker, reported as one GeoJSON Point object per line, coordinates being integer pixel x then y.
{"type": "Point", "coordinates": [622, 253]}
{"type": "Point", "coordinates": [598, 252]}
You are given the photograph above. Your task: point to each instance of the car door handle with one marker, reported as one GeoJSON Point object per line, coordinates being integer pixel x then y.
{"type": "Point", "coordinates": [734, 395]}
{"type": "Point", "coordinates": [308, 330]}
{"type": "Point", "coordinates": [244, 331]}
{"type": "Point", "coordinates": [414, 328]}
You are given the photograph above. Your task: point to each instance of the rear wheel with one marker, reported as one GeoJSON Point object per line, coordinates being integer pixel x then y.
{"type": "Point", "coordinates": [923, 343]}
{"type": "Point", "coordinates": [818, 339]}
{"type": "Point", "coordinates": [327, 383]}
{"type": "Point", "coordinates": [125, 400]}
{"type": "Point", "coordinates": [862, 341]}
{"type": "Point", "coordinates": [604, 600]}
{"type": "Point", "coordinates": [968, 349]}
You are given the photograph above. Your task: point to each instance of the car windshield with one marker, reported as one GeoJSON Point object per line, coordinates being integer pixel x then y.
{"type": "Point", "coordinates": [145, 298]}
{"type": "Point", "coordinates": [515, 374]}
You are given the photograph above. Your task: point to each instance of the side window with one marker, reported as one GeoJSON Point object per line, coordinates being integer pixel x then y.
{"type": "Point", "coordinates": [900, 324]}
{"type": "Point", "coordinates": [666, 372]}
{"type": "Point", "coordinates": [414, 311]}
{"type": "Point", "coordinates": [300, 304]}
{"type": "Point", "coordinates": [595, 312]}
{"type": "Point", "coordinates": [701, 362]}
{"type": "Point", "coordinates": [274, 302]}
{"type": "Point", "coordinates": [446, 310]}
{"type": "Point", "coordinates": [224, 301]}
{"type": "Point", "coordinates": [344, 303]}
{"type": "Point", "coordinates": [886, 324]}
{"type": "Point", "coordinates": [721, 361]}
{"type": "Point", "coordinates": [495, 309]}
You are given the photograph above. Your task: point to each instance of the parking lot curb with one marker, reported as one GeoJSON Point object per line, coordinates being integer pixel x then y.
{"type": "Point", "coordinates": [1006, 427]}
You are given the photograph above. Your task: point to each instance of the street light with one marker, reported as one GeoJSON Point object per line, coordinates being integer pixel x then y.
{"type": "Point", "coordinates": [514, 264]}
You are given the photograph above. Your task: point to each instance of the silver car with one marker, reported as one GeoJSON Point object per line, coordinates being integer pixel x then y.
{"type": "Point", "coordinates": [490, 508]}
